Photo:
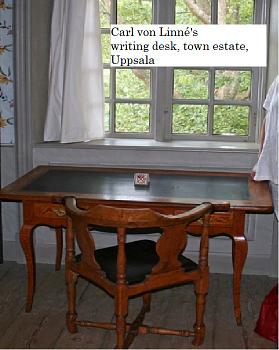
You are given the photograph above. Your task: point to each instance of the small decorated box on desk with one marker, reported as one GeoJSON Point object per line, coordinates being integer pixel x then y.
{"type": "Point", "coordinates": [141, 179]}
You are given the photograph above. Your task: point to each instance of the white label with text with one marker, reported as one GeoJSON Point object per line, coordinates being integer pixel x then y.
{"type": "Point", "coordinates": [188, 45]}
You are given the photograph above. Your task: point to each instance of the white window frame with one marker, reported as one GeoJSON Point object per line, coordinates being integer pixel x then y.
{"type": "Point", "coordinates": [161, 100]}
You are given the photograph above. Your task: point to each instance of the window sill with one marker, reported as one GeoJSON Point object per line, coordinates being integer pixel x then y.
{"type": "Point", "coordinates": [146, 144]}
{"type": "Point", "coordinates": [143, 153]}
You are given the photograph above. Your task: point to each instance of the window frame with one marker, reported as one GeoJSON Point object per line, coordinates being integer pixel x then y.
{"type": "Point", "coordinates": [211, 102]}
{"type": "Point", "coordinates": [161, 100]}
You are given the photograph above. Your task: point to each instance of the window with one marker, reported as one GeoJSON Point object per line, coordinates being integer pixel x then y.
{"type": "Point", "coordinates": [187, 102]}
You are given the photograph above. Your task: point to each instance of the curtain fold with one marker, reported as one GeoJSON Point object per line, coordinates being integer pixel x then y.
{"type": "Point", "coordinates": [75, 110]}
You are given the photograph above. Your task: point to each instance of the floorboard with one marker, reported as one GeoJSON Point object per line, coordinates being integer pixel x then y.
{"type": "Point", "coordinates": [44, 327]}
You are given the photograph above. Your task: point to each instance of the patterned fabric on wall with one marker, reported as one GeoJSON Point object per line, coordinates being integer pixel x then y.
{"type": "Point", "coordinates": [6, 73]}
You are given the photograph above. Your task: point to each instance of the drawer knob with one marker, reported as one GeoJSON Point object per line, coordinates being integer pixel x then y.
{"type": "Point", "coordinates": [59, 211]}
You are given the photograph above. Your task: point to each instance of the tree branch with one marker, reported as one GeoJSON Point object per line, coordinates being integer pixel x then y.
{"type": "Point", "coordinates": [197, 11]}
{"type": "Point", "coordinates": [222, 10]}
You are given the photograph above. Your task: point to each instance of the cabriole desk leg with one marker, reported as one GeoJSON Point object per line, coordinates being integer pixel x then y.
{"type": "Point", "coordinates": [26, 240]}
{"type": "Point", "coordinates": [239, 254]}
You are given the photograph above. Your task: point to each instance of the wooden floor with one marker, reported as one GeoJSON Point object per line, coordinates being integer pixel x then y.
{"type": "Point", "coordinates": [45, 328]}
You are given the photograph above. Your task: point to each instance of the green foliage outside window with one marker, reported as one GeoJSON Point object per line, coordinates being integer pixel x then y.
{"type": "Point", "coordinates": [134, 11]}
{"type": "Point", "coordinates": [136, 118]}
{"type": "Point", "coordinates": [137, 83]}
{"type": "Point", "coordinates": [189, 119]}
{"type": "Point", "coordinates": [190, 84]}
{"type": "Point", "coordinates": [230, 120]}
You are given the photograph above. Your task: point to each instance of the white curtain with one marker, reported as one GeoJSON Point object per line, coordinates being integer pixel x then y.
{"type": "Point", "coordinates": [75, 98]}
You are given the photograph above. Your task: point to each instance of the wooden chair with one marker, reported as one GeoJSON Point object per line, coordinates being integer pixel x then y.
{"type": "Point", "coordinates": [136, 268]}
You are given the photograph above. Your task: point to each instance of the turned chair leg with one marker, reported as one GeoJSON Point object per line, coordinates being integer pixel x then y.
{"type": "Point", "coordinates": [147, 301]}
{"type": "Point", "coordinates": [121, 313]}
{"type": "Point", "coordinates": [71, 280]}
{"type": "Point", "coordinates": [199, 326]}
{"type": "Point", "coordinates": [59, 247]}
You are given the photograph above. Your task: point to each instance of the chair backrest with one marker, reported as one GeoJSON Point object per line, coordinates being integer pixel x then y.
{"type": "Point", "coordinates": [171, 244]}
{"type": "Point", "coordinates": [104, 215]}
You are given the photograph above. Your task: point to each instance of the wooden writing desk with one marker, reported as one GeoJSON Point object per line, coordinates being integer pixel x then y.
{"type": "Point", "coordinates": [42, 189]}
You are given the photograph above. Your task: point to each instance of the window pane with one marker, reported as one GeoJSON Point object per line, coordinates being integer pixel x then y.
{"type": "Point", "coordinates": [236, 12]}
{"type": "Point", "coordinates": [107, 82]}
{"type": "Point", "coordinates": [132, 83]}
{"type": "Point", "coordinates": [232, 85]}
{"type": "Point", "coordinates": [189, 119]}
{"type": "Point", "coordinates": [105, 13]}
{"type": "Point", "coordinates": [193, 12]}
{"type": "Point", "coordinates": [190, 84]}
{"type": "Point", "coordinates": [134, 11]}
{"type": "Point", "coordinates": [107, 117]}
{"type": "Point", "coordinates": [132, 117]}
{"type": "Point", "coordinates": [231, 120]}
{"type": "Point", "coordinates": [105, 38]}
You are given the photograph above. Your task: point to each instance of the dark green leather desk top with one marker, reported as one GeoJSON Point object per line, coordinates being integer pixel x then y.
{"type": "Point", "coordinates": [161, 185]}
{"type": "Point", "coordinates": [52, 183]}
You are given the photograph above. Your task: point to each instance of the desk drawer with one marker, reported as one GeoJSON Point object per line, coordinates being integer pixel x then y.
{"type": "Point", "coordinates": [217, 219]}
{"type": "Point", "coordinates": [52, 211]}
{"type": "Point", "coordinates": [222, 219]}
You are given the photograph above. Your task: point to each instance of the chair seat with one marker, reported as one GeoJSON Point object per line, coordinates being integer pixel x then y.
{"type": "Point", "coordinates": [141, 257]}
